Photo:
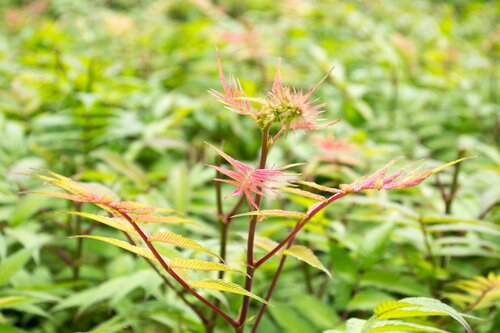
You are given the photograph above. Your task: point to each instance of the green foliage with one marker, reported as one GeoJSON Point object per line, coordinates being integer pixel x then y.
{"type": "Point", "coordinates": [113, 94]}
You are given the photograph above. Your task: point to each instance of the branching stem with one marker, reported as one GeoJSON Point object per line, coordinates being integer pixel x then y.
{"type": "Point", "coordinates": [171, 272]}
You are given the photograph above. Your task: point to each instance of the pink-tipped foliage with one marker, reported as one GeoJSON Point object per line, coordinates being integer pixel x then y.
{"type": "Point", "coordinates": [248, 180]}
{"type": "Point", "coordinates": [293, 108]}
{"type": "Point", "coordinates": [233, 96]}
{"type": "Point", "coordinates": [380, 181]}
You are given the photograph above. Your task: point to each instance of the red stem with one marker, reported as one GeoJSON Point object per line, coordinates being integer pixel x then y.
{"type": "Point", "coordinates": [299, 226]}
{"type": "Point", "coordinates": [162, 262]}
{"type": "Point", "coordinates": [251, 237]}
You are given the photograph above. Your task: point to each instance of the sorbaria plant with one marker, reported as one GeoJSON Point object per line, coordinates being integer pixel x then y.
{"type": "Point", "coordinates": [282, 111]}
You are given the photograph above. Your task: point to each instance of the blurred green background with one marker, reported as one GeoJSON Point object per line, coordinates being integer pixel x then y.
{"type": "Point", "coordinates": [115, 92]}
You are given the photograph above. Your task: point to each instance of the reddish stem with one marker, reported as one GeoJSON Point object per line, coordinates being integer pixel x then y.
{"type": "Point", "coordinates": [299, 226]}
{"type": "Point", "coordinates": [172, 273]}
{"type": "Point", "coordinates": [251, 237]}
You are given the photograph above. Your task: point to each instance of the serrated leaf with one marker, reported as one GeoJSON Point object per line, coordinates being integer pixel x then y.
{"type": "Point", "coordinates": [199, 265]}
{"type": "Point", "coordinates": [484, 227]}
{"type": "Point", "coordinates": [266, 243]}
{"type": "Point", "coordinates": [397, 325]}
{"type": "Point", "coordinates": [168, 237]}
{"type": "Point", "coordinates": [142, 251]}
{"type": "Point", "coordinates": [302, 193]}
{"type": "Point", "coordinates": [140, 208]}
{"type": "Point", "coordinates": [354, 325]}
{"type": "Point", "coordinates": [225, 286]}
{"type": "Point", "coordinates": [389, 306]}
{"type": "Point", "coordinates": [367, 299]}
{"type": "Point", "coordinates": [59, 195]}
{"type": "Point", "coordinates": [307, 255]}
{"type": "Point", "coordinates": [319, 187]}
{"type": "Point", "coordinates": [423, 306]}
{"type": "Point", "coordinates": [120, 224]}
{"type": "Point", "coordinates": [479, 292]}
{"type": "Point", "coordinates": [273, 212]}
{"type": "Point", "coordinates": [161, 219]}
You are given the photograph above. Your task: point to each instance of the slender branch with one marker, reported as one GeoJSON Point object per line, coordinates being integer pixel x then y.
{"type": "Point", "coordinates": [485, 211]}
{"type": "Point", "coordinates": [193, 307]}
{"type": "Point", "coordinates": [300, 225]}
{"type": "Point", "coordinates": [229, 217]}
{"type": "Point", "coordinates": [485, 292]}
{"type": "Point", "coordinates": [223, 231]}
{"type": "Point", "coordinates": [172, 273]}
{"type": "Point", "coordinates": [77, 255]}
{"type": "Point", "coordinates": [270, 290]}
{"type": "Point", "coordinates": [430, 254]}
{"type": "Point", "coordinates": [454, 184]}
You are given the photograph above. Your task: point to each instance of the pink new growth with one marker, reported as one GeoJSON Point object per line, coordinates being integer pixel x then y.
{"type": "Point", "coordinates": [379, 181]}
{"type": "Point", "coordinates": [293, 108]}
{"type": "Point", "coordinates": [233, 96]}
{"type": "Point", "coordinates": [248, 180]}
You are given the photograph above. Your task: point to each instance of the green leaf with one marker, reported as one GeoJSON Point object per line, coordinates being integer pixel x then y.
{"type": "Point", "coordinates": [4, 328]}
{"type": "Point", "coordinates": [290, 320]}
{"type": "Point", "coordinates": [13, 263]}
{"type": "Point", "coordinates": [318, 312]}
{"type": "Point", "coordinates": [373, 244]}
{"type": "Point", "coordinates": [225, 286]}
{"type": "Point", "coordinates": [9, 301]}
{"type": "Point", "coordinates": [26, 207]}
{"type": "Point", "coordinates": [127, 168]}
{"type": "Point", "coordinates": [394, 282]}
{"type": "Point", "coordinates": [396, 326]}
{"type": "Point", "coordinates": [420, 307]}
{"type": "Point", "coordinates": [367, 299]}
{"type": "Point", "coordinates": [430, 304]}
{"type": "Point", "coordinates": [355, 325]}
{"type": "Point", "coordinates": [113, 289]}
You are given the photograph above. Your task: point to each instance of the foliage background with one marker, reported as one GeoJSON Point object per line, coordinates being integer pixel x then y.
{"type": "Point", "coordinates": [116, 92]}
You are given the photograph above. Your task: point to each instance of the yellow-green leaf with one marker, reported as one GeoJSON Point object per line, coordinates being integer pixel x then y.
{"type": "Point", "coordinates": [302, 193]}
{"type": "Point", "coordinates": [161, 219]}
{"type": "Point", "coordinates": [59, 195]}
{"type": "Point", "coordinates": [120, 224]}
{"type": "Point", "coordinates": [225, 286]}
{"type": "Point", "coordinates": [140, 208]}
{"type": "Point", "coordinates": [307, 255]}
{"type": "Point", "coordinates": [178, 240]}
{"type": "Point", "coordinates": [142, 251]}
{"type": "Point", "coordinates": [319, 187]}
{"type": "Point", "coordinates": [389, 306]}
{"type": "Point", "coordinates": [273, 212]}
{"type": "Point", "coordinates": [199, 265]}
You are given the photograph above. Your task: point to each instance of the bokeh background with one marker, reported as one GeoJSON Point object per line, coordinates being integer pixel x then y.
{"type": "Point", "coordinates": [115, 92]}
